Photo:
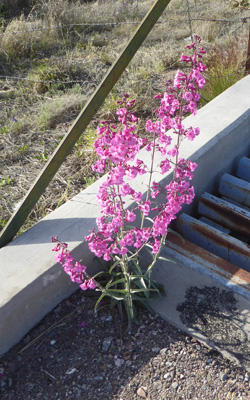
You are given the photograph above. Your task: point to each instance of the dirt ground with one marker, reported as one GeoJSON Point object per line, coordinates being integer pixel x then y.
{"type": "Point", "coordinates": [76, 354]}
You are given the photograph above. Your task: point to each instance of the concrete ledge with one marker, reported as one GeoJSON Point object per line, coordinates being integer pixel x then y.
{"type": "Point", "coordinates": [32, 284]}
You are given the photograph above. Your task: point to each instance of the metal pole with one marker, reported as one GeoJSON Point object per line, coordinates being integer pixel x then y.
{"type": "Point", "coordinates": [80, 124]}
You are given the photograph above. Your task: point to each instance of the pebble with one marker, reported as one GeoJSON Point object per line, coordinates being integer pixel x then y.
{"type": "Point", "coordinates": [141, 393]}
{"type": "Point", "coordinates": [119, 362]}
{"type": "Point", "coordinates": [157, 384]}
{"type": "Point", "coordinates": [98, 378]}
{"type": "Point", "coordinates": [168, 376]}
{"type": "Point", "coordinates": [106, 344]}
{"type": "Point", "coordinates": [223, 376]}
{"type": "Point", "coordinates": [70, 371]}
{"type": "Point", "coordinates": [156, 350]}
{"type": "Point", "coordinates": [53, 342]}
{"type": "Point", "coordinates": [169, 364]}
{"type": "Point", "coordinates": [175, 385]}
{"type": "Point", "coordinates": [106, 318]}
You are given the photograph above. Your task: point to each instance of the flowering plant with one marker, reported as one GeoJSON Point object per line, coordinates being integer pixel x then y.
{"type": "Point", "coordinates": [118, 147]}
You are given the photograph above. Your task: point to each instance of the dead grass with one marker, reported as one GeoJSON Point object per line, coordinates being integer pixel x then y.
{"type": "Point", "coordinates": [56, 55]}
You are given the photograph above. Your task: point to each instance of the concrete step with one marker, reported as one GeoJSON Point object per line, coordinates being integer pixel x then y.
{"type": "Point", "coordinates": [224, 213]}
{"type": "Point", "coordinates": [215, 241]}
{"type": "Point", "coordinates": [236, 189]}
{"type": "Point", "coordinates": [243, 171]}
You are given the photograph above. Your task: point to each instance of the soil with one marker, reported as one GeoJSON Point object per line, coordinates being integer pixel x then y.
{"type": "Point", "coordinates": [76, 354]}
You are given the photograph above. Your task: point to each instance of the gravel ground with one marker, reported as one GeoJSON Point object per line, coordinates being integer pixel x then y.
{"type": "Point", "coordinates": [76, 354]}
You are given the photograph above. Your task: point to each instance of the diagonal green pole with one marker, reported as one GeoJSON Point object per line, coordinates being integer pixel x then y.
{"type": "Point", "coordinates": [82, 121]}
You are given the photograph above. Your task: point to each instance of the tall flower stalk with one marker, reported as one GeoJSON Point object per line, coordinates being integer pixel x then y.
{"type": "Point", "coordinates": [118, 148]}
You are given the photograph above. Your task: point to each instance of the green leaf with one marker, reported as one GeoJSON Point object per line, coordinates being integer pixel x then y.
{"type": "Point", "coordinates": [99, 300]}
{"type": "Point", "coordinates": [111, 291]}
{"type": "Point", "coordinates": [122, 280]}
{"type": "Point", "coordinates": [114, 265]}
{"type": "Point", "coordinates": [164, 258]}
{"type": "Point", "coordinates": [143, 290]}
{"type": "Point", "coordinates": [99, 273]}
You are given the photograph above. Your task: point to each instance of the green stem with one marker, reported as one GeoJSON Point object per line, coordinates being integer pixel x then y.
{"type": "Point", "coordinates": [128, 298]}
{"type": "Point", "coordinates": [150, 267]}
{"type": "Point", "coordinates": [150, 177]}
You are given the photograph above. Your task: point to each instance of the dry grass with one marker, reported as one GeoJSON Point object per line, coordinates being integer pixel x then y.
{"type": "Point", "coordinates": [56, 55]}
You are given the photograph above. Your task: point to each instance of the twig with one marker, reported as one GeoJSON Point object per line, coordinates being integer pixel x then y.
{"type": "Point", "coordinates": [51, 376]}
{"type": "Point", "coordinates": [47, 330]}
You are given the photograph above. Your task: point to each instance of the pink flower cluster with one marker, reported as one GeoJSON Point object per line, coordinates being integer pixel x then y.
{"type": "Point", "coordinates": [74, 269]}
{"type": "Point", "coordinates": [118, 150]}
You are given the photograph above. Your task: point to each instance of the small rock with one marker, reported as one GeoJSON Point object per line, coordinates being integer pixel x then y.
{"type": "Point", "coordinates": [1, 371]}
{"type": "Point", "coordinates": [119, 362]}
{"type": "Point", "coordinates": [106, 318]}
{"type": "Point", "coordinates": [169, 364]}
{"type": "Point", "coordinates": [128, 363]}
{"type": "Point", "coordinates": [98, 378]}
{"type": "Point", "coordinates": [156, 350]}
{"type": "Point", "coordinates": [223, 377]}
{"type": "Point", "coordinates": [141, 393]}
{"type": "Point", "coordinates": [168, 376]}
{"type": "Point", "coordinates": [175, 385]}
{"type": "Point", "coordinates": [157, 385]}
{"type": "Point", "coordinates": [106, 344]}
{"type": "Point", "coordinates": [70, 371]}
{"type": "Point", "coordinates": [52, 342]}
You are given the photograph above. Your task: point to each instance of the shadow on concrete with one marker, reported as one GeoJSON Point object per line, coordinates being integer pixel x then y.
{"type": "Point", "coordinates": [214, 313]}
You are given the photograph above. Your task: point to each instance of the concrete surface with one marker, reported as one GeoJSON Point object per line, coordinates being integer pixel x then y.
{"type": "Point", "coordinates": [32, 284]}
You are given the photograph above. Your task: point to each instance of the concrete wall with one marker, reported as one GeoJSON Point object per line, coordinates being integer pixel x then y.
{"type": "Point", "coordinates": [32, 284]}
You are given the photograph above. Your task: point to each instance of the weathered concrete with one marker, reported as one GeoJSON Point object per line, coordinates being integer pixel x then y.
{"type": "Point", "coordinates": [32, 284]}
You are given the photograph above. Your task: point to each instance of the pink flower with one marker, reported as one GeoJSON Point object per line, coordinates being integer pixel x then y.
{"type": "Point", "coordinates": [130, 216]}
{"type": "Point", "coordinates": [126, 189]}
{"type": "Point", "coordinates": [60, 257]}
{"type": "Point", "coordinates": [145, 207]}
{"type": "Point", "coordinates": [91, 284]}
{"type": "Point", "coordinates": [156, 246]}
{"type": "Point", "coordinates": [84, 286]}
